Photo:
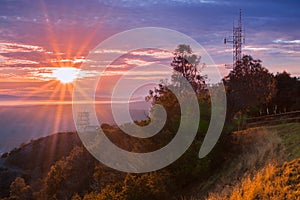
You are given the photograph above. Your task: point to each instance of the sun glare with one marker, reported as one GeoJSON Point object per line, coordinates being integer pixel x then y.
{"type": "Point", "coordinates": [65, 74]}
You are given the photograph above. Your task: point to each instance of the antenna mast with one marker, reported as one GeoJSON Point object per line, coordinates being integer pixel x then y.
{"type": "Point", "coordinates": [83, 119]}
{"type": "Point", "coordinates": [237, 39]}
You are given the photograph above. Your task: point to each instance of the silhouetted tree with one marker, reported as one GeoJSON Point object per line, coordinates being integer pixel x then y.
{"type": "Point", "coordinates": [186, 64]}
{"type": "Point", "coordinates": [287, 97]}
{"type": "Point", "coordinates": [248, 86]}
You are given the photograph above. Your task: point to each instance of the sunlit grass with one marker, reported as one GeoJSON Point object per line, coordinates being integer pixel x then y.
{"type": "Point", "coordinates": [272, 182]}
{"type": "Point", "coordinates": [258, 170]}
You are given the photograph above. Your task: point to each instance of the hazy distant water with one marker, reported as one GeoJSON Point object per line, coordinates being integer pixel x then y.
{"type": "Point", "coordinates": [20, 124]}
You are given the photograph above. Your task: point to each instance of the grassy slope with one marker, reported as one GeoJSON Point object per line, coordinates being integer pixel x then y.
{"type": "Point", "coordinates": [290, 135]}
{"type": "Point", "coordinates": [258, 159]}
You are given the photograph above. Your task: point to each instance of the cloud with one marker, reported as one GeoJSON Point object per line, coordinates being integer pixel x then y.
{"type": "Point", "coordinates": [268, 31]}
{"type": "Point", "coordinates": [14, 53]}
{"type": "Point", "coordinates": [140, 74]}
{"type": "Point", "coordinates": [279, 41]}
{"type": "Point", "coordinates": [7, 47]}
{"type": "Point", "coordinates": [73, 60]}
{"type": "Point", "coordinates": [138, 62]}
{"type": "Point", "coordinates": [279, 49]}
{"type": "Point", "coordinates": [109, 51]}
{"type": "Point", "coordinates": [158, 54]}
{"type": "Point", "coordinates": [13, 61]}
{"type": "Point", "coordinates": [48, 73]}
{"type": "Point", "coordinates": [189, 2]}
{"type": "Point", "coordinates": [252, 48]}
{"type": "Point", "coordinates": [144, 3]}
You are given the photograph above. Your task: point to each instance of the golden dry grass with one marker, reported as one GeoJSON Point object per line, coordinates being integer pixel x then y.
{"type": "Point", "coordinates": [272, 182]}
{"type": "Point", "coordinates": [257, 171]}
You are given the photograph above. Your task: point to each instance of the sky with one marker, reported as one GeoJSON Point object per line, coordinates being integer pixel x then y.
{"type": "Point", "coordinates": [44, 45]}
{"type": "Point", "coordinates": [37, 38]}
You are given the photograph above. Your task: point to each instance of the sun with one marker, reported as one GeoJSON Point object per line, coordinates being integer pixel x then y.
{"type": "Point", "coordinates": [65, 74]}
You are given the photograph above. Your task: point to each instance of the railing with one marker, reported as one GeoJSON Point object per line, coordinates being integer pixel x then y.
{"type": "Point", "coordinates": [273, 119]}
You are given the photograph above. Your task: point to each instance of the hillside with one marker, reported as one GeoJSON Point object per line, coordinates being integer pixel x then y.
{"type": "Point", "coordinates": [53, 166]}
{"type": "Point", "coordinates": [33, 160]}
{"type": "Point", "coordinates": [264, 164]}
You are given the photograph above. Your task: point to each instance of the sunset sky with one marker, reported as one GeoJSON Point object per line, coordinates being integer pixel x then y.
{"type": "Point", "coordinates": [37, 38]}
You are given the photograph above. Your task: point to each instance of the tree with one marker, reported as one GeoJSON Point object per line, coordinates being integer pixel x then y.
{"type": "Point", "coordinates": [186, 71]}
{"type": "Point", "coordinates": [104, 176]}
{"type": "Point", "coordinates": [19, 190]}
{"type": "Point", "coordinates": [70, 175]}
{"type": "Point", "coordinates": [248, 86]}
{"type": "Point", "coordinates": [287, 95]}
{"type": "Point", "coordinates": [145, 186]}
{"type": "Point", "coordinates": [185, 63]}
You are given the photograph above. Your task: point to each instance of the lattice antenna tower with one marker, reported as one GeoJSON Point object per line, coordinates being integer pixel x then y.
{"type": "Point", "coordinates": [83, 119]}
{"type": "Point", "coordinates": [237, 40]}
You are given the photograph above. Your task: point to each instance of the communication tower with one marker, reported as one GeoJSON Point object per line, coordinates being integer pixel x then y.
{"type": "Point", "coordinates": [83, 120]}
{"type": "Point", "coordinates": [237, 40]}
